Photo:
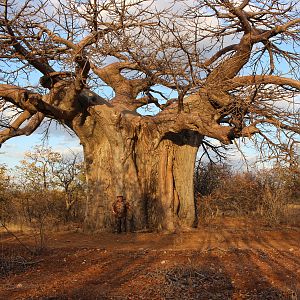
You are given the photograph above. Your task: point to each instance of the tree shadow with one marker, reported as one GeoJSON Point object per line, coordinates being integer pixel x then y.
{"type": "Point", "coordinates": [221, 264]}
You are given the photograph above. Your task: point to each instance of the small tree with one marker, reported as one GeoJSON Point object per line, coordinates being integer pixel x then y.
{"type": "Point", "coordinates": [46, 173]}
{"type": "Point", "coordinates": [68, 171]}
{"type": "Point", "coordinates": [6, 210]}
{"type": "Point", "coordinates": [35, 171]}
{"type": "Point", "coordinates": [49, 187]}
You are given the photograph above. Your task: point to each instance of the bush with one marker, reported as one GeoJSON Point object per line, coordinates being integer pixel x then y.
{"type": "Point", "coordinates": [264, 194]}
{"type": "Point", "coordinates": [273, 207]}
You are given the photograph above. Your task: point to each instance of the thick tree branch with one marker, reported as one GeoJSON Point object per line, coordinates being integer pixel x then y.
{"type": "Point", "coordinates": [149, 99]}
{"type": "Point", "coordinates": [262, 79]}
{"type": "Point", "coordinates": [166, 50]}
{"type": "Point", "coordinates": [15, 129]}
{"type": "Point", "coordinates": [244, 4]}
{"type": "Point", "coordinates": [230, 67]}
{"type": "Point", "coordinates": [219, 54]}
{"type": "Point", "coordinates": [264, 35]}
{"type": "Point", "coordinates": [18, 96]}
{"type": "Point", "coordinates": [242, 16]}
{"type": "Point", "coordinates": [126, 90]}
{"type": "Point", "coordinates": [41, 64]}
{"type": "Point", "coordinates": [33, 102]}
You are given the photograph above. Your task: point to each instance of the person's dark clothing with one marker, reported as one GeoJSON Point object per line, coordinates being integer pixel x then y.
{"type": "Point", "coordinates": [120, 213]}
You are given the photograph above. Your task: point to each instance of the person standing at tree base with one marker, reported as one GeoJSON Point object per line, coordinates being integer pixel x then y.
{"type": "Point", "coordinates": [119, 209]}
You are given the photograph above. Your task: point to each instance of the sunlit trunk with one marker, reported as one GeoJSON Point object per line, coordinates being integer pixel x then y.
{"type": "Point", "coordinates": [156, 182]}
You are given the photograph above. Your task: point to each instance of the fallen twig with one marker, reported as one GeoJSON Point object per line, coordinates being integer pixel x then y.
{"type": "Point", "coordinates": [16, 237]}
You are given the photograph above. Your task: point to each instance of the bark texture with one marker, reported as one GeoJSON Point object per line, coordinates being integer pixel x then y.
{"type": "Point", "coordinates": [156, 180]}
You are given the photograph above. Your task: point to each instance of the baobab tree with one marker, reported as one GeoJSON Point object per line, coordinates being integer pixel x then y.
{"type": "Point", "coordinates": [218, 70]}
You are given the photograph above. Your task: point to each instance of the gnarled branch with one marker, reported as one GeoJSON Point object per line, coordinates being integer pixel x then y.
{"type": "Point", "coordinates": [15, 129]}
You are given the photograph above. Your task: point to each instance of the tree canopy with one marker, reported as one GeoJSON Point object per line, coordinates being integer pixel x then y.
{"type": "Point", "coordinates": [231, 67]}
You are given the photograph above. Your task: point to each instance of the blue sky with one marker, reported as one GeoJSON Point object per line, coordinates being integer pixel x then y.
{"type": "Point", "coordinates": [13, 150]}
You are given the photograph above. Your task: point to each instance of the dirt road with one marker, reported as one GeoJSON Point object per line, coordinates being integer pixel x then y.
{"type": "Point", "coordinates": [228, 260]}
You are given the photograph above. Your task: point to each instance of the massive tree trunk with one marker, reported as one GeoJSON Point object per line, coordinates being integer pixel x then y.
{"type": "Point", "coordinates": [155, 179]}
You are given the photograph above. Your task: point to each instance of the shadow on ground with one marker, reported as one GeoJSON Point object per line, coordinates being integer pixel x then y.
{"type": "Point", "coordinates": [217, 262]}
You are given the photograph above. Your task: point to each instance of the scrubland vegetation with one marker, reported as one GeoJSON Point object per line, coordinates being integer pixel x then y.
{"type": "Point", "coordinates": [266, 195]}
{"type": "Point", "coordinates": [46, 193]}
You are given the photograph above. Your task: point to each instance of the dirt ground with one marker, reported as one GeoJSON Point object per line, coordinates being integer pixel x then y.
{"type": "Point", "coordinates": [228, 259]}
